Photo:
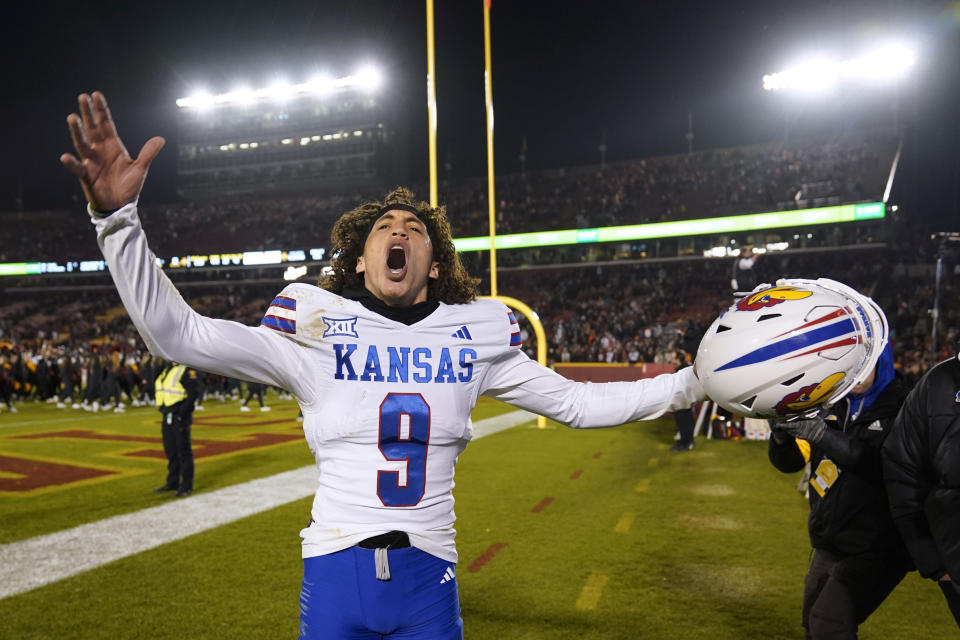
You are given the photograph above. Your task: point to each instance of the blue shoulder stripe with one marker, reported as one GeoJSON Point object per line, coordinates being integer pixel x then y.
{"type": "Point", "coordinates": [279, 324]}
{"type": "Point", "coordinates": [284, 303]}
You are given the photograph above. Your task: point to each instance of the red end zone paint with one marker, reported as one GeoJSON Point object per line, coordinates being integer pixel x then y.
{"type": "Point", "coordinates": [202, 448]}
{"type": "Point", "coordinates": [226, 420]}
{"type": "Point", "coordinates": [543, 504]}
{"type": "Point", "coordinates": [576, 474]}
{"type": "Point", "coordinates": [36, 474]}
{"type": "Point", "coordinates": [486, 556]}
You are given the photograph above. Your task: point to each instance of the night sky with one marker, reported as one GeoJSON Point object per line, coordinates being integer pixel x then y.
{"type": "Point", "coordinates": [563, 73]}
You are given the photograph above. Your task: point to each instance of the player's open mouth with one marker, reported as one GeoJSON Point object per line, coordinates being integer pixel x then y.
{"type": "Point", "coordinates": [397, 262]}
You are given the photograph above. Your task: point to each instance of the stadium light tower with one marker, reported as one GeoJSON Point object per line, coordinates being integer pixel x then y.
{"type": "Point", "coordinates": [367, 78]}
{"type": "Point", "coordinates": [286, 136]}
{"type": "Point", "coordinates": [887, 63]}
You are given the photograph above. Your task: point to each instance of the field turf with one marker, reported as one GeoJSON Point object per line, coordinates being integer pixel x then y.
{"type": "Point", "coordinates": [563, 534]}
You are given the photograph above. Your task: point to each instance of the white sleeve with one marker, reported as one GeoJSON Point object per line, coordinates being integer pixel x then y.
{"type": "Point", "coordinates": [172, 330]}
{"type": "Point", "coordinates": [516, 379]}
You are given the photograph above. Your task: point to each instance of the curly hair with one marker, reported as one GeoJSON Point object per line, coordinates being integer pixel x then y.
{"type": "Point", "coordinates": [453, 286]}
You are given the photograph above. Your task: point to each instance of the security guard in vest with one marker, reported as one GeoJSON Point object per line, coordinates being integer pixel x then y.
{"type": "Point", "coordinates": [177, 390]}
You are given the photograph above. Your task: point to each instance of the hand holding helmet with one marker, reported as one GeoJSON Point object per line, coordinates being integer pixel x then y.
{"type": "Point", "coordinates": [809, 429]}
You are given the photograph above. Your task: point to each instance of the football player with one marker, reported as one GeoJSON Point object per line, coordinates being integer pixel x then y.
{"type": "Point", "coordinates": [386, 360]}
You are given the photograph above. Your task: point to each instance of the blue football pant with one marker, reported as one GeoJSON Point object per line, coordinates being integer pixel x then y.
{"type": "Point", "coordinates": [342, 598]}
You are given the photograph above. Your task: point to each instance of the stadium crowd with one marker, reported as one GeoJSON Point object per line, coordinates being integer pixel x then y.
{"type": "Point", "coordinates": [768, 177]}
{"type": "Point", "coordinates": [54, 347]}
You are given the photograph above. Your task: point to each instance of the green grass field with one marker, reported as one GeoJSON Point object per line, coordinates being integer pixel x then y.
{"type": "Point", "coordinates": [600, 534]}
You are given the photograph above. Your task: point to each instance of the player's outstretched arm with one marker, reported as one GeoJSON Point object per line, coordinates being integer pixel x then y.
{"type": "Point", "coordinates": [109, 176]}
{"type": "Point", "coordinates": [174, 331]}
{"type": "Point", "coordinates": [112, 180]}
{"type": "Point", "coordinates": [519, 381]}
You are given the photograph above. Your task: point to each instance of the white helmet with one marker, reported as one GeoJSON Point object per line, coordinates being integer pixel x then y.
{"type": "Point", "coordinates": [791, 349]}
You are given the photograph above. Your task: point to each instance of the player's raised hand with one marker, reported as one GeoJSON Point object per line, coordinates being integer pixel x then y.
{"type": "Point", "coordinates": [109, 176]}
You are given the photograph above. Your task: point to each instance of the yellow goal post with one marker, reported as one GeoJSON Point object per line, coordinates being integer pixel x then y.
{"type": "Point", "coordinates": [534, 320]}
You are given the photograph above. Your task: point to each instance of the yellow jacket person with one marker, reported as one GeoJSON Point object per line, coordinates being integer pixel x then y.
{"type": "Point", "coordinates": [177, 390]}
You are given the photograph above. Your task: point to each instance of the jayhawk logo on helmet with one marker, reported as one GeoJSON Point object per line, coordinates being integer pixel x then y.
{"type": "Point", "coordinates": [809, 396]}
{"type": "Point", "coordinates": [771, 297]}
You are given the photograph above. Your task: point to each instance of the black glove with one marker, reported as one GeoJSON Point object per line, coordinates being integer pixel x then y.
{"type": "Point", "coordinates": [809, 429]}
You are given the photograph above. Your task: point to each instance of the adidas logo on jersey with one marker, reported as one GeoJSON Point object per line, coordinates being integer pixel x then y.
{"type": "Point", "coordinates": [448, 575]}
{"type": "Point", "coordinates": [462, 333]}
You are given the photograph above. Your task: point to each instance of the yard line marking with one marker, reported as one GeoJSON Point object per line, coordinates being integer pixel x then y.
{"type": "Point", "coordinates": [486, 556]}
{"type": "Point", "coordinates": [543, 504]}
{"type": "Point", "coordinates": [576, 474]}
{"type": "Point", "coordinates": [623, 524]}
{"type": "Point", "coordinates": [489, 426]}
{"type": "Point", "coordinates": [35, 562]}
{"type": "Point", "coordinates": [592, 590]}
{"type": "Point", "coordinates": [713, 490]}
{"type": "Point", "coordinates": [642, 486]}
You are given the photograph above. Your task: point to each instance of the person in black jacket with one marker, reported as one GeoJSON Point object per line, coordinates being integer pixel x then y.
{"type": "Point", "coordinates": [858, 555]}
{"type": "Point", "coordinates": [685, 422]}
{"type": "Point", "coordinates": [91, 395]}
{"type": "Point", "coordinates": [177, 390]}
{"type": "Point", "coordinates": [254, 389]}
{"type": "Point", "coordinates": [6, 384]}
{"type": "Point", "coordinates": [148, 375]}
{"type": "Point", "coordinates": [921, 464]}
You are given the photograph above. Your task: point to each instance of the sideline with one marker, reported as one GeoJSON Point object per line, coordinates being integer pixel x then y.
{"type": "Point", "coordinates": [32, 563]}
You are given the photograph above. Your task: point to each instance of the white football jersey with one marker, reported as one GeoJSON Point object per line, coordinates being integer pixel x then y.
{"type": "Point", "coordinates": [386, 405]}
{"type": "Point", "coordinates": [390, 411]}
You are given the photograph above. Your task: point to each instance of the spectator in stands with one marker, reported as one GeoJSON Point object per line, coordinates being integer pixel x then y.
{"type": "Point", "coordinates": [858, 555]}
{"type": "Point", "coordinates": [921, 464]}
{"type": "Point", "coordinates": [744, 277]}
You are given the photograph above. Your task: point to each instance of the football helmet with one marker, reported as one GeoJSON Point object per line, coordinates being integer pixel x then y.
{"type": "Point", "coordinates": [791, 349]}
